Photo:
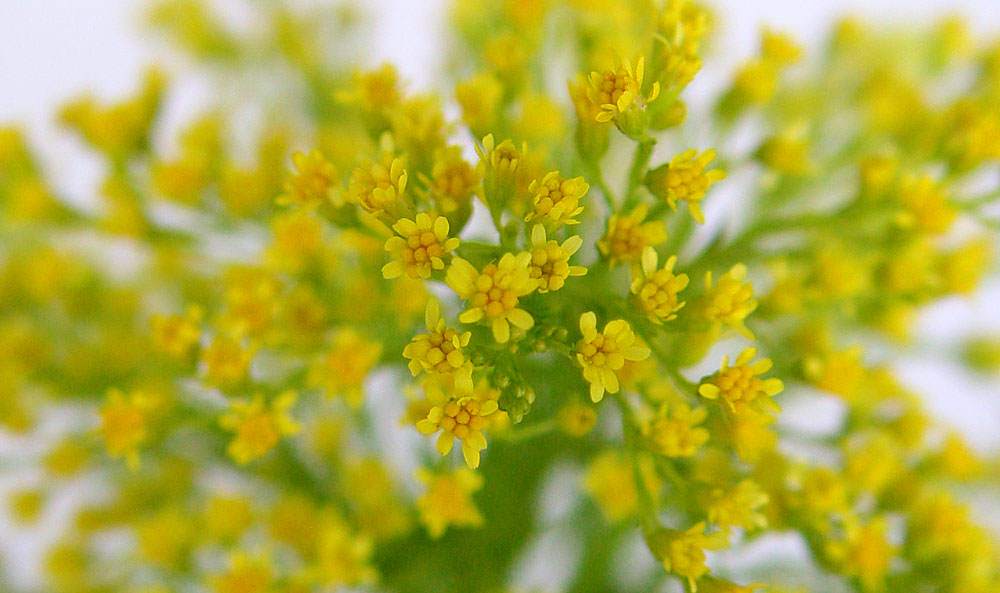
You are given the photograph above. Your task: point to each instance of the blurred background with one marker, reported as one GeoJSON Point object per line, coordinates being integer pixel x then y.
{"type": "Point", "coordinates": [53, 49]}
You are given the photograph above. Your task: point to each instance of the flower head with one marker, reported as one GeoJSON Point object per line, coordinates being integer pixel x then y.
{"type": "Point", "coordinates": [738, 506]}
{"type": "Point", "coordinates": [448, 500]}
{"type": "Point", "coordinates": [312, 181]}
{"type": "Point", "coordinates": [683, 552]}
{"type": "Point", "coordinates": [418, 247]}
{"type": "Point", "coordinates": [675, 430]}
{"type": "Point", "coordinates": [740, 385]}
{"type": "Point", "coordinates": [730, 300]}
{"type": "Point", "coordinates": [258, 425]}
{"type": "Point", "coordinates": [344, 368]}
{"type": "Point", "coordinates": [685, 179]}
{"type": "Point", "coordinates": [440, 350]}
{"type": "Point", "coordinates": [452, 181]}
{"type": "Point", "coordinates": [550, 260]}
{"type": "Point", "coordinates": [600, 354]}
{"type": "Point", "coordinates": [177, 335]}
{"type": "Point", "coordinates": [379, 186]}
{"type": "Point", "coordinates": [656, 289]}
{"type": "Point", "coordinates": [617, 90]}
{"type": "Point", "coordinates": [556, 200]}
{"type": "Point", "coordinates": [628, 235]}
{"type": "Point", "coordinates": [462, 418]}
{"type": "Point", "coordinates": [125, 424]}
{"type": "Point", "coordinates": [493, 293]}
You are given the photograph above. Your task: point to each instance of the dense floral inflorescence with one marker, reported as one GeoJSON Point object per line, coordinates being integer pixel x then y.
{"type": "Point", "coordinates": [385, 340]}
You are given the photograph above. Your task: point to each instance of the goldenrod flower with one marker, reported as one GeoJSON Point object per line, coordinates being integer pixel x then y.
{"type": "Point", "coordinates": [550, 260]}
{"type": "Point", "coordinates": [379, 186]}
{"type": "Point", "coordinates": [440, 350]}
{"type": "Point", "coordinates": [740, 385]}
{"type": "Point", "coordinates": [258, 425]}
{"type": "Point", "coordinates": [493, 293]}
{"type": "Point", "coordinates": [656, 288]}
{"type": "Point", "coordinates": [601, 354]}
{"type": "Point", "coordinates": [577, 419]}
{"type": "Point", "coordinates": [610, 479]}
{"type": "Point", "coordinates": [125, 424]}
{"type": "Point", "coordinates": [418, 247]}
{"type": "Point", "coordinates": [312, 181]}
{"type": "Point", "coordinates": [463, 418]}
{"type": "Point", "coordinates": [675, 430]}
{"type": "Point", "coordinates": [246, 574]}
{"type": "Point", "coordinates": [556, 200]}
{"type": "Point", "coordinates": [447, 500]}
{"type": "Point", "coordinates": [452, 181]}
{"type": "Point", "coordinates": [226, 360]}
{"type": "Point", "coordinates": [684, 179]}
{"type": "Point", "coordinates": [345, 366]}
{"type": "Point", "coordinates": [628, 235]}
{"type": "Point", "coordinates": [177, 335]}
{"type": "Point", "coordinates": [739, 506]}
{"type": "Point", "coordinates": [865, 553]}
{"type": "Point", "coordinates": [779, 48]}
{"type": "Point", "coordinates": [683, 552]}
{"type": "Point", "coordinates": [730, 300]}
{"type": "Point", "coordinates": [479, 98]}
{"type": "Point", "coordinates": [615, 91]}
{"type": "Point", "coordinates": [343, 557]}
{"type": "Point", "coordinates": [926, 205]}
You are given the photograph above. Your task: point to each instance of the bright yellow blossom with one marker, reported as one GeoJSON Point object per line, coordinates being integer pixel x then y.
{"type": "Point", "coordinates": [628, 235]}
{"type": "Point", "coordinates": [683, 552]}
{"type": "Point", "coordinates": [616, 91]}
{"type": "Point", "coordinates": [684, 179]}
{"type": "Point", "coordinates": [740, 385]}
{"type": "Point", "coordinates": [493, 293]}
{"type": "Point", "coordinates": [739, 506]}
{"type": "Point", "coordinates": [550, 260]}
{"type": "Point", "coordinates": [865, 553]}
{"type": "Point", "coordinates": [730, 300]}
{"type": "Point", "coordinates": [447, 500]}
{"type": "Point", "coordinates": [675, 430]}
{"type": "Point", "coordinates": [312, 181]}
{"type": "Point", "coordinates": [556, 199]}
{"type": "Point", "coordinates": [656, 288]}
{"type": "Point", "coordinates": [343, 558]}
{"type": "Point", "coordinates": [125, 423]}
{"type": "Point", "coordinates": [226, 360]}
{"type": "Point", "coordinates": [601, 354]}
{"type": "Point", "coordinates": [379, 186]}
{"type": "Point", "coordinates": [345, 366]}
{"type": "Point", "coordinates": [418, 247]}
{"type": "Point", "coordinates": [258, 425]}
{"type": "Point", "coordinates": [462, 418]}
{"type": "Point", "coordinates": [440, 350]}
{"type": "Point", "coordinates": [177, 335]}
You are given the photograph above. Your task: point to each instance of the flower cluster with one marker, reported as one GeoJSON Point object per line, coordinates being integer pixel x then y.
{"type": "Point", "coordinates": [357, 344]}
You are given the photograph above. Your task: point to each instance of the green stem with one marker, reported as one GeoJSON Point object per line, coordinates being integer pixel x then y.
{"type": "Point", "coordinates": [640, 162]}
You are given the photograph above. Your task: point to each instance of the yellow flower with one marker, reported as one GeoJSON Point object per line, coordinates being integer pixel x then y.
{"type": "Point", "coordinates": [298, 238]}
{"type": "Point", "coordinates": [739, 506]}
{"type": "Point", "coordinates": [657, 289]}
{"type": "Point", "coordinates": [342, 556]}
{"type": "Point", "coordinates": [177, 335]}
{"type": "Point", "coordinates": [227, 517]}
{"type": "Point", "coordinates": [683, 552]}
{"type": "Point", "coordinates": [447, 500]}
{"type": "Point", "coordinates": [926, 205]}
{"type": "Point", "coordinates": [344, 368]}
{"type": "Point", "coordinates": [730, 300]}
{"type": "Point", "coordinates": [577, 419]}
{"type": "Point", "coordinates": [556, 199]}
{"type": "Point", "coordinates": [226, 361]}
{"type": "Point", "coordinates": [452, 181]}
{"type": "Point", "coordinates": [379, 186]}
{"type": "Point", "coordinates": [740, 385]}
{"type": "Point", "coordinates": [865, 553]}
{"type": "Point", "coordinates": [684, 179]}
{"type": "Point", "coordinates": [463, 418]}
{"type": "Point", "coordinates": [440, 350]}
{"type": "Point", "coordinates": [610, 480]}
{"type": "Point", "coordinates": [628, 236]}
{"type": "Point", "coordinates": [375, 90]}
{"type": "Point", "coordinates": [258, 425]}
{"type": "Point", "coordinates": [479, 98]}
{"type": "Point", "coordinates": [418, 247]}
{"type": "Point", "coordinates": [601, 354]}
{"type": "Point", "coordinates": [550, 260]}
{"type": "Point", "coordinates": [493, 293]}
{"type": "Point", "coordinates": [615, 91]}
{"type": "Point", "coordinates": [674, 431]}
{"type": "Point", "coordinates": [312, 181]}
{"type": "Point", "coordinates": [244, 575]}
{"type": "Point", "coordinates": [125, 424]}
{"type": "Point", "coordinates": [779, 48]}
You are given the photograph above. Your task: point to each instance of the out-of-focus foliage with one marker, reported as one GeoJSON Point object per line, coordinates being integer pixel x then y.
{"type": "Point", "coordinates": [270, 341]}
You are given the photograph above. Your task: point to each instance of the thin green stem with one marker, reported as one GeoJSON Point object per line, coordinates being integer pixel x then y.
{"type": "Point", "coordinates": [640, 162]}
